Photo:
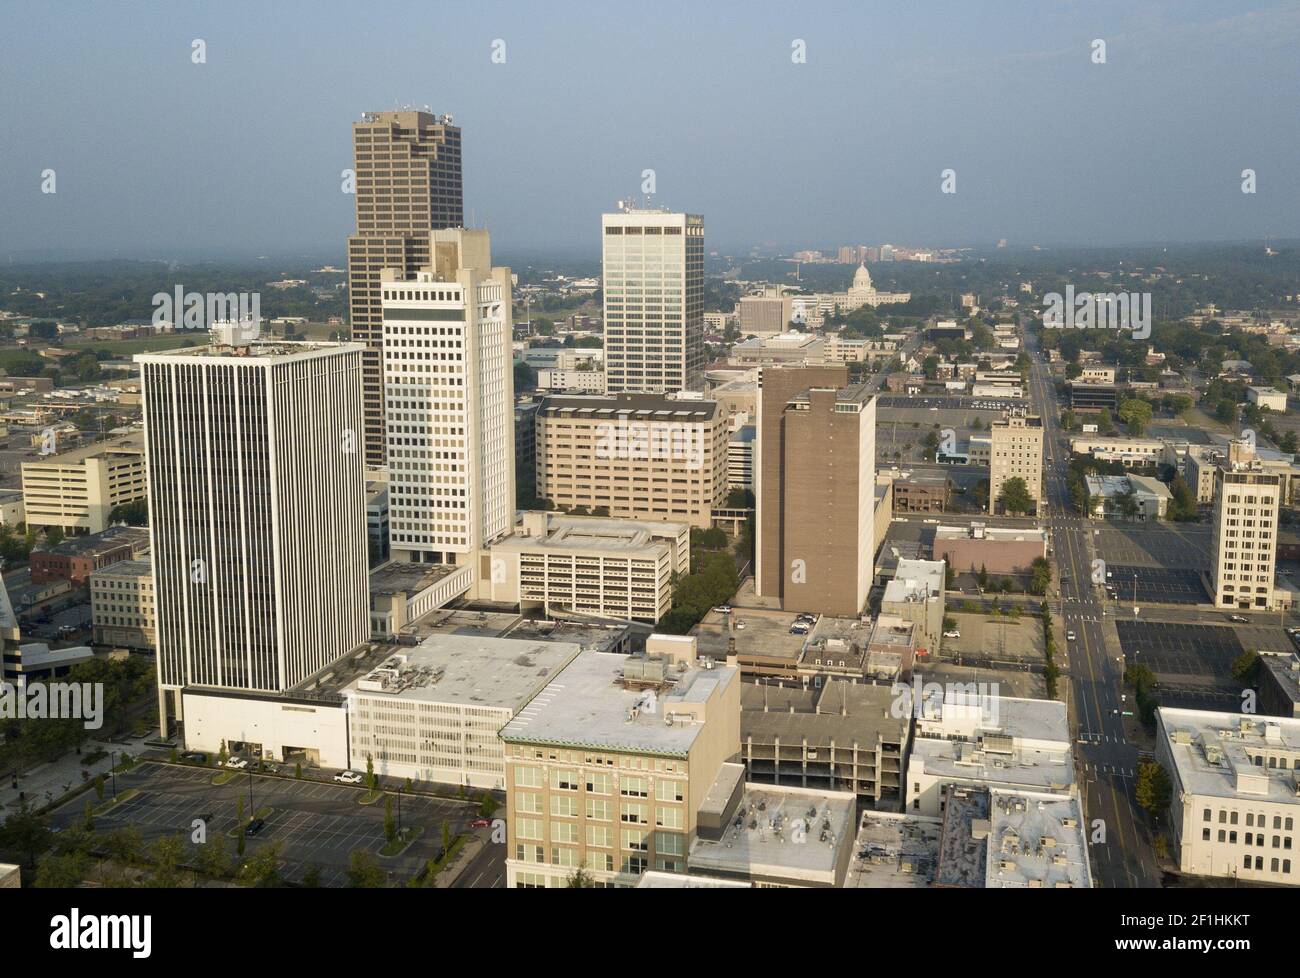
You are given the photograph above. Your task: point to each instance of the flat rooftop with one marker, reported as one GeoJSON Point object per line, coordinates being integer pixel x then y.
{"type": "Point", "coordinates": [94, 543]}
{"type": "Point", "coordinates": [467, 670]}
{"type": "Point", "coordinates": [1036, 841]}
{"type": "Point", "coordinates": [839, 712]}
{"type": "Point", "coordinates": [992, 534]}
{"type": "Point", "coordinates": [895, 851]}
{"type": "Point", "coordinates": [998, 739]}
{"type": "Point", "coordinates": [915, 580]}
{"type": "Point", "coordinates": [132, 444]}
{"type": "Point", "coordinates": [602, 638]}
{"type": "Point", "coordinates": [1284, 667]}
{"type": "Point", "coordinates": [397, 577]}
{"type": "Point", "coordinates": [255, 351]}
{"type": "Point", "coordinates": [589, 705]}
{"type": "Point", "coordinates": [593, 534]}
{"type": "Point", "coordinates": [140, 567]}
{"type": "Point", "coordinates": [1215, 754]}
{"type": "Point", "coordinates": [634, 407]}
{"type": "Point", "coordinates": [783, 833]}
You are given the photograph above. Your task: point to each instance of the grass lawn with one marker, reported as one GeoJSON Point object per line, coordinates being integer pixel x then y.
{"type": "Point", "coordinates": [120, 349]}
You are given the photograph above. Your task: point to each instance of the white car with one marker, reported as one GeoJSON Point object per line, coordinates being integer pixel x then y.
{"type": "Point", "coordinates": [238, 763]}
{"type": "Point", "coordinates": [1069, 636]}
{"type": "Point", "coordinates": [348, 777]}
{"type": "Point", "coordinates": [952, 634]}
{"type": "Point", "coordinates": [740, 624]}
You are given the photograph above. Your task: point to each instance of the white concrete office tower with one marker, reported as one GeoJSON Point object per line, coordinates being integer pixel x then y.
{"type": "Point", "coordinates": [653, 264]}
{"type": "Point", "coordinates": [257, 512]}
{"type": "Point", "coordinates": [449, 402]}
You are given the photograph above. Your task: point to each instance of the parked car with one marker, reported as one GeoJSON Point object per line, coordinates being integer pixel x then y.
{"type": "Point", "coordinates": [348, 777]}
{"type": "Point", "coordinates": [953, 633]}
{"type": "Point", "coordinates": [195, 757]}
{"type": "Point", "coordinates": [1239, 619]}
{"type": "Point", "coordinates": [236, 763]}
{"type": "Point", "coordinates": [723, 609]}
{"type": "Point", "coordinates": [254, 827]}
{"type": "Point", "coordinates": [480, 823]}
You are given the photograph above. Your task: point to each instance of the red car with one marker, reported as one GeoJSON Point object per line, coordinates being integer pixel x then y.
{"type": "Point", "coordinates": [480, 823]}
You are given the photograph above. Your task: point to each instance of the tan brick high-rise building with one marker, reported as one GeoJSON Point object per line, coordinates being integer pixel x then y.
{"type": "Point", "coordinates": [408, 183]}
{"type": "Point", "coordinates": [1016, 452]}
{"type": "Point", "coordinates": [816, 490]}
{"type": "Point", "coordinates": [639, 456]}
{"type": "Point", "coordinates": [1243, 549]}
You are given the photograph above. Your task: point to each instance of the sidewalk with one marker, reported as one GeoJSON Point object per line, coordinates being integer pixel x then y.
{"type": "Point", "coordinates": [464, 856]}
{"type": "Point", "coordinates": [47, 782]}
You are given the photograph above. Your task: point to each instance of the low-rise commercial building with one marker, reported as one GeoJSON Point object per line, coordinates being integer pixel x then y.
{"type": "Point", "coordinates": [1093, 397]}
{"type": "Point", "coordinates": [794, 349]}
{"type": "Point", "coordinates": [1279, 684]}
{"type": "Point", "coordinates": [1236, 793]}
{"type": "Point", "coordinates": [1129, 451]}
{"type": "Point", "coordinates": [77, 490]}
{"type": "Point", "coordinates": [1127, 497]}
{"type": "Point", "coordinates": [432, 712]}
{"type": "Point", "coordinates": [997, 549]}
{"type": "Point", "coordinates": [76, 558]}
{"type": "Point", "coordinates": [916, 594]}
{"type": "Point", "coordinates": [403, 593]}
{"type": "Point", "coordinates": [1267, 397]}
{"type": "Point", "coordinates": [916, 493]}
{"type": "Point", "coordinates": [122, 610]}
{"type": "Point", "coordinates": [578, 381]}
{"type": "Point", "coordinates": [773, 835]}
{"type": "Point", "coordinates": [994, 838]}
{"type": "Point", "coordinates": [610, 764]}
{"type": "Point", "coordinates": [612, 568]}
{"type": "Point", "coordinates": [974, 737]}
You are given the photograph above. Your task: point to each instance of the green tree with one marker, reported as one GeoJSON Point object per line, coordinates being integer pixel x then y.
{"type": "Point", "coordinates": [580, 879]}
{"type": "Point", "coordinates": [1040, 575]}
{"type": "Point", "coordinates": [1243, 667]}
{"type": "Point", "coordinates": [263, 869]}
{"type": "Point", "coordinates": [364, 872]}
{"type": "Point", "coordinates": [1136, 414]}
{"type": "Point", "coordinates": [1153, 788]}
{"type": "Point", "coordinates": [1014, 497]}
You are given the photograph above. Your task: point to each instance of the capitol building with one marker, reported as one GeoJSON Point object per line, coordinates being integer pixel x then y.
{"type": "Point", "coordinates": [861, 293]}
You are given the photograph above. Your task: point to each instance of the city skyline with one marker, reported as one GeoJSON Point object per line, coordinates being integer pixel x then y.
{"type": "Point", "coordinates": [1046, 144]}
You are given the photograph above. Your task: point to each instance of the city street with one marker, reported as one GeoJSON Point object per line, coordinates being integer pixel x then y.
{"type": "Point", "coordinates": [1106, 763]}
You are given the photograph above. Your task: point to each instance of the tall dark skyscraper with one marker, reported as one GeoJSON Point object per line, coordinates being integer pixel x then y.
{"type": "Point", "coordinates": [408, 183]}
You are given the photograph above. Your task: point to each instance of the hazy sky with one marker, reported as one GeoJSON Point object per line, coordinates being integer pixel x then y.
{"type": "Point", "coordinates": [156, 156]}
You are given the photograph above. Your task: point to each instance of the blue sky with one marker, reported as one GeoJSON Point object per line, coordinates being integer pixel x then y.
{"type": "Point", "coordinates": [156, 156]}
